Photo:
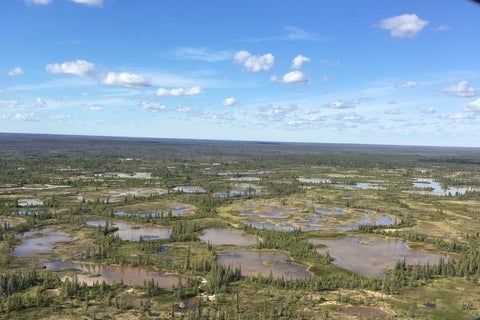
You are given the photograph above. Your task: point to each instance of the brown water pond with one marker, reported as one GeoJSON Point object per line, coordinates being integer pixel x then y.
{"type": "Point", "coordinates": [38, 241]}
{"type": "Point", "coordinates": [265, 263]}
{"type": "Point", "coordinates": [134, 276]}
{"type": "Point", "coordinates": [272, 217]}
{"type": "Point", "coordinates": [372, 256]}
{"type": "Point", "coordinates": [222, 236]}
{"type": "Point", "coordinates": [128, 231]}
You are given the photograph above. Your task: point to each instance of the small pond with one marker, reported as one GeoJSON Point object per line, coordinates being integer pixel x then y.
{"type": "Point", "coordinates": [267, 211]}
{"type": "Point", "coordinates": [265, 263]}
{"type": "Point", "coordinates": [432, 187]}
{"type": "Point", "coordinates": [127, 231]}
{"type": "Point", "coordinates": [29, 202]}
{"type": "Point", "coordinates": [314, 180]}
{"type": "Point", "coordinates": [134, 276]}
{"type": "Point", "coordinates": [222, 236]}
{"type": "Point", "coordinates": [38, 241]}
{"type": "Point", "coordinates": [372, 256]}
{"type": "Point", "coordinates": [359, 186]}
{"type": "Point", "coordinates": [321, 219]}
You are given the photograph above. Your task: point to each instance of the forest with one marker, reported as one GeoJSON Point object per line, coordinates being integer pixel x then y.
{"type": "Point", "coordinates": [131, 228]}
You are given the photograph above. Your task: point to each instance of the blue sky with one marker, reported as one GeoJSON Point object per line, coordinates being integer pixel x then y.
{"type": "Point", "coordinates": [401, 72]}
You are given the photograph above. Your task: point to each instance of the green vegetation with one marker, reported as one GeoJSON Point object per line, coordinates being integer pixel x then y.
{"type": "Point", "coordinates": [138, 209]}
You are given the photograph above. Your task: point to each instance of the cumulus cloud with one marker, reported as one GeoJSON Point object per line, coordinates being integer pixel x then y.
{"type": "Point", "coordinates": [41, 103]}
{"type": "Point", "coordinates": [91, 3]}
{"type": "Point", "coordinates": [298, 61]}
{"type": "Point", "coordinates": [39, 2]}
{"type": "Point", "coordinates": [77, 67]}
{"type": "Point", "coordinates": [347, 104]}
{"type": "Point", "coordinates": [254, 63]}
{"type": "Point", "coordinates": [15, 71]}
{"type": "Point", "coordinates": [340, 104]}
{"type": "Point", "coordinates": [473, 107]}
{"type": "Point", "coordinates": [177, 92]}
{"type": "Point", "coordinates": [406, 85]}
{"type": "Point", "coordinates": [153, 107]}
{"type": "Point", "coordinates": [126, 79]}
{"type": "Point", "coordinates": [462, 90]}
{"type": "Point", "coordinates": [291, 77]}
{"type": "Point", "coordinates": [228, 102]}
{"type": "Point", "coordinates": [403, 26]}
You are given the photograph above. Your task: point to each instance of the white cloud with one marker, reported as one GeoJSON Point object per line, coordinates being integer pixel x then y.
{"type": "Point", "coordinates": [429, 110]}
{"type": "Point", "coordinates": [126, 79]}
{"type": "Point", "coordinates": [95, 107]}
{"type": "Point", "coordinates": [202, 54]}
{"type": "Point", "coordinates": [462, 90]}
{"type": "Point", "coordinates": [340, 104]}
{"type": "Point", "coordinates": [348, 117]}
{"type": "Point", "coordinates": [15, 71]}
{"type": "Point", "coordinates": [41, 103]}
{"type": "Point", "coordinates": [441, 28]}
{"type": "Point", "coordinates": [39, 2]}
{"type": "Point", "coordinates": [10, 104]}
{"type": "Point", "coordinates": [473, 107]}
{"type": "Point", "coordinates": [393, 111]}
{"type": "Point", "coordinates": [228, 102]}
{"type": "Point", "coordinates": [254, 63]}
{"type": "Point", "coordinates": [294, 33]}
{"type": "Point", "coordinates": [298, 61]}
{"type": "Point", "coordinates": [77, 67]}
{"type": "Point", "coordinates": [408, 84]}
{"type": "Point", "coordinates": [177, 92]}
{"type": "Point", "coordinates": [325, 78]}
{"type": "Point", "coordinates": [403, 26]}
{"type": "Point", "coordinates": [462, 116]}
{"type": "Point", "coordinates": [26, 117]}
{"type": "Point", "coordinates": [61, 118]}
{"type": "Point", "coordinates": [291, 77]}
{"type": "Point", "coordinates": [91, 3]}
{"type": "Point", "coordinates": [153, 107]}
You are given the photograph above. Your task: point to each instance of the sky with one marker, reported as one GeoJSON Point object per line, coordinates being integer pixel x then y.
{"type": "Point", "coordinates": [398, 72]}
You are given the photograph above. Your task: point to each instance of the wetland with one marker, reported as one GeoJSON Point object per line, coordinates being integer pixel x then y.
{"type": "Point", "coordinates": [128, 228]}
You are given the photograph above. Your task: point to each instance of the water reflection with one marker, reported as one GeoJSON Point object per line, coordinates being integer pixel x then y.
{"type": "Point", "coordinates": [265, 263]}
{"type": "Point", "coordinates": [372, 256]}
{"type": "Point", "coordinates": [127, 231]}
{"type": "Point", "coordinates": [39, 241]}
{"type": "Point", "coordinates": [134, 276]}
{"type": "Point", "coordinates": [217, 236]}
{"type": "Point", "coordinates": [432, 187]}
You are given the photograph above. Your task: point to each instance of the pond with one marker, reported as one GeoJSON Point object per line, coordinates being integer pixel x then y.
{"type": "Point", "coordinates": [38, 241]}
{"type": "Point", "coordinates": [432, 187]}
{"type": "Point", "coordinates": [372, 256]}
{"type": "Point", "coordinates": [313, 180]}
{"type": "Point", "coordinates": [190, 189]}
{"type": "Point", "coordinates": [265, 263]}
{"type": "Point", "coordinates": [134, 276]}
{"type": "Point", "coordinates": [266, 211]}
{"type": "Point", "coordinates": [29, 202]}
{"type": "Point", "coordinates": [359, 186]}
{"type": "Point", "coordinates": [222, 236]}
{"type": "Point", "coordinates": [322, 219]}
{"type": "Point", "coordinates": [127, 231]}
